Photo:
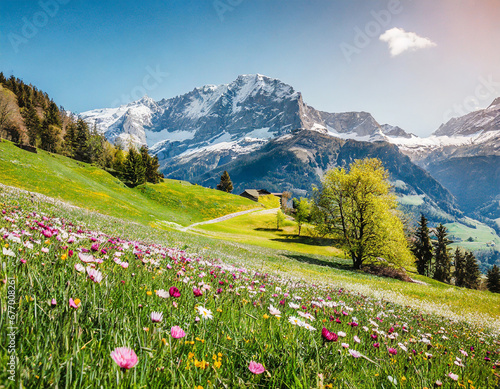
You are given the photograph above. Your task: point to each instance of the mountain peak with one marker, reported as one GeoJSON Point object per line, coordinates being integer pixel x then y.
{"type": "Point", "coordinates": [495, 104]}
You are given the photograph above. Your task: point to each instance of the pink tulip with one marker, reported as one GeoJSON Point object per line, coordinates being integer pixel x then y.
{"type": "Point", "coordinates": [177, 332]}
{"type": "Point", "coordinates": [124, 357]}
{"type": "Point", "coordinates": [256, 368]}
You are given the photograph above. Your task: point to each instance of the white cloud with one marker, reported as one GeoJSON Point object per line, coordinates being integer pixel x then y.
{"type": "Point", "coordinates": [400, 41]}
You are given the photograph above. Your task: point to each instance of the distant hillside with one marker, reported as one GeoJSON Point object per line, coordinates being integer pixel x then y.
{"type": "Point", "coordinates": [298, 161]}
{"type": "Point", "coordinates": [92, 188]}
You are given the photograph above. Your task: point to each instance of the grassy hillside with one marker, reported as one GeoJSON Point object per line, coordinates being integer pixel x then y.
{"type": "Point", "coordinates": [66, 345]}
{"type": "Point", "coordinates": [259, 228]}
{"type": "Point", "coordinates": [92, 188]}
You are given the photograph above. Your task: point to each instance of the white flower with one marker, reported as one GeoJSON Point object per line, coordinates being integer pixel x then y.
{"type": "Point", "coordinates": [356, 339]}
{"type": "Point", "coordinates": [8, 252]}
{"type": "Point", "coordinates": [28, 245]}
{"type": "Point", "coordinates": [79, 267]}
{"type": "Point", "coordinates": [354, 353]}
{"type": "Point", "coordinates": [274, 311]}
{"type": "Point", "coordinates": [306, 315]}
{"type": "Point", "coordinates": [205, 313]}
{"type": "Point", "coordinates": [393, 381]}
{"type": "Point", "coordinates": [295, 321]}
{"type": "Point", "coordinates": [309, 327]}
{"type": "Point", "coordinates": [156, 317]}
{"type": "Point", "coordinates": [341, 334]}
{"type": "Point", "coordinates": [94, 275]}
{"type": "Point", "coordinates": [294, 306]}
{"type": "Point", "coordinates": [162, 293]}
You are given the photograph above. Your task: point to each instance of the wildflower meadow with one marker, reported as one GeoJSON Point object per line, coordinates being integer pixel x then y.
{"type": "Point", "coordinates": [92, 309]}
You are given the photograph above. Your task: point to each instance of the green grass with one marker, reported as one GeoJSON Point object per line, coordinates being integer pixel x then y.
{"type": "Point", "coordinates": [92, 188]}
{"type": "Point", "coordinates": [66, 347]}
{"type": "Point", "coordinates": [480, 233]}
{"type": "Point", "coordinates": [259, 228]}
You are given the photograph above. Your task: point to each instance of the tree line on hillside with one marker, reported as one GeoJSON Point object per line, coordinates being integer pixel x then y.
{"type": "Point", "coordinates": [435, 259]}
{"type": "Point", "coordinates": [357, 209]}
{"type": "Point", "coordinates": [44, 125]}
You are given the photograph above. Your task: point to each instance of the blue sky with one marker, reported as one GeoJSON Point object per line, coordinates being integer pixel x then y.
{"type": "Point", "coordinates": [443, 62]}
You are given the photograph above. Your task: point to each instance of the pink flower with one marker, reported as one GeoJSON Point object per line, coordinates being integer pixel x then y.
{"type": "Point", "coordinates": [177, 332]}
{"type": "Point", "coordinates": [53, 302]}
{"type": "Point", "coordinates": [392, 351]}
{"type": "Point", "coordinates": [124, 265]}
{"type": "Point", "coordinates": [328, 336]}
{"type": "Point", "coordinates": [74, 303]}
{"type": "Point", "coordinates": [47, 233]}
{"type": "Point", "coordinates": [174, 292]}
{"type": "Point", "coordinates": [23, 260]}
{"type": "Point", "coordinates": [197, 292]}
{"type": "Point", "coordinates": [124, 357]}
{"type": "Point", "coordinates": [256, 368]}
{"type": "Point", "coordinates": [454, 377]}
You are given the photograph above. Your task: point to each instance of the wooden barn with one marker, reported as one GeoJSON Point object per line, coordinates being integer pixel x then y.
{"type": "Point", "coordinates": [254, 194]}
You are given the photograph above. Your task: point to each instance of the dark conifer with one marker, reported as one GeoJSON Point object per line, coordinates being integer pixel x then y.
{"type": "Point", "coordinates": [422, 248]}
{"type": "Point", "coordinates": [134, 170]}
{"type": "Point", "coordinates": [472, 273]}
{"type": "Point", "coordinates": [493, 279]}
{"type": "Point", "coordinates": [442, 264]}
{"type": "Point", "coordinates": [225, 184]}
{"type": "Point", "coordinates": [459, 272]}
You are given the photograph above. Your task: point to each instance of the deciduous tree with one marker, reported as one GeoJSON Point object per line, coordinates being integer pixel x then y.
{"type": "Point", "coordinates": [303, 212]}
{"type": "Point", "coordinates": [358, 210]}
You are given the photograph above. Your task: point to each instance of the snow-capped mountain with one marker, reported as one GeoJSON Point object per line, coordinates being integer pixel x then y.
{"type": "Point", "coordinates": [474, 134]}
{"type": "Point", "coordinates": [231, 119]}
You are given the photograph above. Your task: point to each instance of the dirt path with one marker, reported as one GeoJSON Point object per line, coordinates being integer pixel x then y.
{"type": "Point", "coordinates": [230, 216]}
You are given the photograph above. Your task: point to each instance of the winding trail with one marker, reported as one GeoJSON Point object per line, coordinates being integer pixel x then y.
{"type": "Point", "coordinates": [230, 216]}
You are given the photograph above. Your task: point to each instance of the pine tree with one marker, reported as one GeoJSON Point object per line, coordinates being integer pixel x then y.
{"type": "Point", "coordinates": [151, 165]}
{"type": "Point", "coordinates": [460, 264]}
{"type": "Point", "coordinates": [82, 134]}
{"type": "Point", "coordinates": [49, 137]}
{"type": "Point", "coordinates": [442, 264]}
{"type": "Point", "coordinates": [70, 141]}
{"type": "Point", "coordinates": [52, 115]}
{"type": "Point", "coordinates": [32, 123]}
{"type": "Point", "coordinates": [225, 184]}
{"type": "Point", "coordinates": [472, 273]}
{"type": "Point", "coordinates": [493, 279]}
{"type": "Point", "coordinates": [422, 248]}
{"type": "Point", "coordinates": [134, 170]}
